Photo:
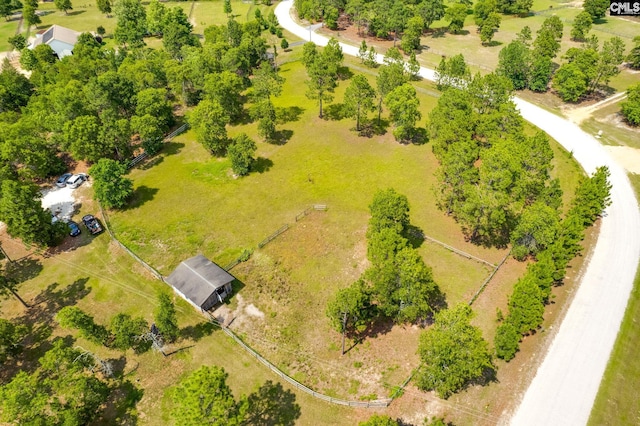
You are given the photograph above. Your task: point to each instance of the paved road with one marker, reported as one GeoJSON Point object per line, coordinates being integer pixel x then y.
{"type": "Point", "coordinates": [567, 381]}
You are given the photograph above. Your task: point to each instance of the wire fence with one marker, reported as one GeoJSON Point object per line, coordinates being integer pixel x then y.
{"type": "Point", "coordinates": [380, 403]}
{"type": "Point", "coordinates": [271, 237]}
{"type": "Point", "coordinates": [486, 281]}
{"type": "Point", "coordinates": [419, 234]}
{"type": "Point", "coordinates": [144, 155]}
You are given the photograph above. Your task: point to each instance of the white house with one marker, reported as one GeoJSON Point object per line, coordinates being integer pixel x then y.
{"type": "Point", "coordinates": [60, 39]}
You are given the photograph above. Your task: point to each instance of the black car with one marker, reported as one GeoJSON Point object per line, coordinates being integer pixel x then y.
{"type": "Point", "coordinates": [92, 224]}
{"type": "Point", "coordinates": [74, 229]}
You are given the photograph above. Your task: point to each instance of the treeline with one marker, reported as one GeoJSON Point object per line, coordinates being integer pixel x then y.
{"type": "Point", "coordinates": [492, 178]}
{"type": "Point", "coordinates": [398, 285]}
{"type": "Point", "coordinates": [585, 69]}
{"type": "Point", "coordinates": [408, 19]}
{"type": "Point", "coordinates": [104, 104]}
{"type": "Point", "coordinates": [532, 292]}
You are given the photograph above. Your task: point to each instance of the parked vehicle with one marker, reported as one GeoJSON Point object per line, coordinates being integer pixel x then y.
{"type": "Point", "coordinates": [76, 180]}
{"type": "Point", "coordinates": [62, 180]}
{"type": "Point", "coordinates": [74, 229]}
{"type": "Point", "coordinates": [92, 224]}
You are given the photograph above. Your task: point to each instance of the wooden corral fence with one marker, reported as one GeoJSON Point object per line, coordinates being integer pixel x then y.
{"type": "Point", "coordinates": [168, 138]}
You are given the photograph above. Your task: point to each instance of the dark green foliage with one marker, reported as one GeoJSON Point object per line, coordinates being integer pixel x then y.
{"type": "Point", "coordinates": [284, 44]}
{"type": "Point", "coordinates": [74, 317]}
{"type": "Point", "coordinates": [127, 331]}
{"type": "Point", "coordinates": [541, 70]}
{"type": "Point", "coordinates": [630, 108]}
{"type": "Point", "coordinates": [592, 196]}
{"type": "Point", "coordinates": [526, 305]}
{"type": "Point", "coordinates": [18, 42]}
{"type": "Point", "coordinates": [452, 72]}
{"type": "Point", "coordinates": [225, 88]}
{"type": "Point", "coordinates": [430, 11]}
{"type": "Point", "coordinates": [489, 27]}
{"type": "Point", "coordinates": [351, 311]}
{"type": "Point", "coordinates": [547, 42]}
{"type": "Point", "coordinates": [404, 110]}
{"type": "Point", "coordinates": [596, 8]}
{"type": "Point", "coordinates": [132, 22]}
{"type": "Point", "coordinates": [514, 63]}
{"type": "Point", "coordinates": [63, 5]}
{"type": "Point", "coordinates": [104, 6]}
{"type": "Point", "coordinates": [482, 9]}
{"type": "Point", "coordinates": [456, 14]}
{"type": "Point", "coordinates": [15, 88]}
{"type": "Point", "coordinates": [241, 153]}
{"type": "Point", "coordinates": [359, 99]}
{"type": "Point", "coordinates": [581, 25]}
{"type": "Point", "coordinates": [111, 188]}
{"type": "Point", "coordinates": [389, 210]}
{"type": "Point", "coordinates": [634, 55]}
{"type": "Point", "coordinates": [453, 352]}
{"type": "Point", "coordinates": [322, 69]}
{"type": "Point", "coordinates": [507, 341]}
{"type": "Point", "coordinates": [22, 212]}
{"type": "Point", "coordinates": [515, 7]}
{"type": "Point", "coordinates": [11, 336]}
{"type": "Point", "coordinates": [535, 231]}
{"type": "Point", "coordinates": [379, 420]}
{"type": "Point", "coordinates": [411, 36]}
{"type": "Point", "coordinates": [60, 392]}
{"type": "Point", "coordinates": [208, 120]}
{"type": "Point", "coordinates": [166, 319]}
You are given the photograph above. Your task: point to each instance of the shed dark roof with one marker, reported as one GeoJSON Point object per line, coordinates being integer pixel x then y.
{"type": "Point", "coordinates": [198, 277]}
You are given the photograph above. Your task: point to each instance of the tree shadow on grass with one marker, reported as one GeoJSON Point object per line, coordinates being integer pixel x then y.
{"type": "Point", "coordinates": [23, 270]}
{"type": "Point", "coordinates": [154, 161]}
{"type": "Point", "coordinates": [335, 112]}
{"type": "Point", "coordinates": [198, 331]}
{"type": "Point", "coordinates": [288, 114]}
{"type": "Point", "coordinates": [281, 137]}
{"type": "Point", "coordinates": [494, 43]}
{"type": "Point", "coordinates": [75, 12]}
{"type": "Point", "coordinates": [272, 405]}
{"type": "Point", "coordinates": [414, 235]}
{"type": "Point", "coordinates": [172, 148]}
{"type": "Point", "coordinates": [141, 195]}
{"type": "Point", "coordinates": [119, 409]}
{"type": "Point", "coordinates": [261, 165]}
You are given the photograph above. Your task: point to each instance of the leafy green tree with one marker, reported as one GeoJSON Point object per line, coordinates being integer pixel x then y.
{"type": "Point", "coordinates": [64, 5]}
{"type": "Point", "coordinates": [379, 420]}
{"type": "Point", "coordinates": [7, 7]}
{"type": "Point", "coordinates": [634, 55]}
{"type": "Point", "coordinates": [581, 26]}
{"type": "Point", "coordinates": [351, 311]}
{"type": "Point", "coordinates": [547, 42]}
{"type": "Point", "coordinates": [507, 341]}
{"type": "Point", "coordinates": [126, 332]}
{"type": "Point", "coordinates": [515, 7]}
{"type": "Point", "coordinates": [596, 8]}
{"type": "Point", "coordinates": [322, 80]}
{"type": "Point", "coordinates": [524, 36]}
{"type": "Point", "coordinates": [359, 98]}
{"type": "Point", "coordinates": [111, 188]}
{"type": "Point", "coordinates": [266, 82]}
{"type": "Point", "coordinates": [80, 137]}
{"type": "Point", "coordinates": [489, 27]}
{"type": "Point", "coordinates": [526, 305]}
{"type": "Point", "coordinates": [456, 14]}
{"type": "Point", "coordinates": [404, 105]}
{"type": "Point", "coordinates": [74, 317]}
{"type": "Point", "coordinates": [592, 196]}
{"type": "Point", "coordinates": [241, 153]}
{"type": "Point", "coordinates": [452, 72]}
{"type": "Point", "coordinates": [535, 231]}
{"type": "Point", "coordinates": [104, 6]}
{"type": "Point", "coordinates": [156, 17]}
{"type": "Point", "coordinates": [177, 32]}
{"type": "Point", "coordinates": [570, 82]}
{"type": "Point", "coordinates": [389, 209]}
{"type": "Point", "coordinates": [227, 8]}
{"type": "Point", "coordinates": [21, 210]}
{"type": "Point", "coordinates": [453, 352]}
{"type": "Point", "coordinates": [540, 75]}
{"type": "Point", "coordinates": [225, 88]}
{"type": "Point", "coordinates": [166, 319]}
{"type": "Point", "coordinates": [132, 22]}
{"type": "Point", "coordinates": [630, 108]}
{"type": "Point", "coordinates": [284, 44]}
{"type": "Point", "coordinates": [154, 102]}
{"type": "Point", "coordinates": [15, 88]}
{"type": "Point", "coordinates": [18, 42]}
{"type": "Point", "coordinates": [204, 397]}
{"type": "Point", "coordinates": [514, 63]}
{"type": "Point", "coordinates": [482, 9]}
{"type": "Point", "coordinates": [390, 76]}
{"type": "Point", "coordinates": [610, 58]}
{"type": "Point", "coordinates": [208, 120]}
{"type": "Point", "coordinates": [411, 36]}
{"type": "Point", "coordinates": [430, 11]}
{"type": "Point", "coordinates": [29, 14]}
{"type": "Point", "coordinates": [11, 336]}
{"type": "Point", "coordinates": [149, 130]}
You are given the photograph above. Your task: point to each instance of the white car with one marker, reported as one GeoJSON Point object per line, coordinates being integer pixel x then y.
{"type": "Point", "coordinates": [76, 180]}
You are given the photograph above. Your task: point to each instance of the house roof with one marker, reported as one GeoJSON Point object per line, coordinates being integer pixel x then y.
{"type": "Point", "coordinates": [198, 277]}
{"type": "Point", "coordinates": [56, 32]}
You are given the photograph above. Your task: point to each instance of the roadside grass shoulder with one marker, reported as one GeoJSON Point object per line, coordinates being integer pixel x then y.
{"type": "Point", "coordinates": [617, 399]}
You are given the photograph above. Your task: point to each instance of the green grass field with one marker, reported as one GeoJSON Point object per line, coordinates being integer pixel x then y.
{"type": "Point", "coordinates": [617, 400]}
{"type": "Point", "coordinates": [7, 29]}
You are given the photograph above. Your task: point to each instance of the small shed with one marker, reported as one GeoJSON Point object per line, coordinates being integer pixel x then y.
{"type": "Point", "coordinates": [60, 39]}
{"type": "Point", "coordinates": [201, 282]}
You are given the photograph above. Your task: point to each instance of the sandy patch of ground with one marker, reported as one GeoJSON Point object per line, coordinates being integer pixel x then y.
{"type": "Point", "coordinates": [240, 315]}
{"type": "Point", "coordinates": [626, 156]}
{"type": "Point", "coordinates": [578, 114]}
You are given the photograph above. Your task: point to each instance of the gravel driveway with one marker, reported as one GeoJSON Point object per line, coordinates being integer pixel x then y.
{"type": "Point", "coordinates": [567, 381]}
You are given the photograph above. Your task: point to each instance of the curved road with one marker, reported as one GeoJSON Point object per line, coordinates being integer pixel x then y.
{"type": "Point", "coordinates": [567, 381]}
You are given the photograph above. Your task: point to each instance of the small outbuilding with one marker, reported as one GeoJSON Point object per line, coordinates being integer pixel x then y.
{"type": "Point", "coordinates": [201, 282]}
{"type": "Point", "coordinates": [60, 39]}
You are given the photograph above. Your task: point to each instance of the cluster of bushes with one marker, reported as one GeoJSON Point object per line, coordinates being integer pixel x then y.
{"type": "Point", "coordinates": [532, 292]}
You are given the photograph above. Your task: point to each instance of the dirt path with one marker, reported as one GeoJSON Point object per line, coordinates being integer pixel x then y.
{"type": "Point", "coordinates": [579, 114]}
{"type": "Point", "coordinates": [567, 381]}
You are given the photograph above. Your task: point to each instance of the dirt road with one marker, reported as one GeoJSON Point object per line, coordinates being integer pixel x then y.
{"type": "Point", "coordinates": [567, 381]}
